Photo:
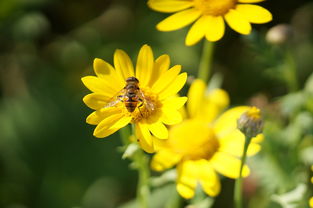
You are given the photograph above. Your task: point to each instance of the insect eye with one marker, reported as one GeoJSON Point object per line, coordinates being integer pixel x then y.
{"type": "Point", "coordinates": [132, 79]}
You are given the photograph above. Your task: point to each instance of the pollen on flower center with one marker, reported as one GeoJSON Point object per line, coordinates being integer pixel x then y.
{"type": "Point", "coordinates": [147, 106]}
{"type": "Point", "coordinates": [214, 7]}
{"type": "Point", "coordinates": [202, 142]}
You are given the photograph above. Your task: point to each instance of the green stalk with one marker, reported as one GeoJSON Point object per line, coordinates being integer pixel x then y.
{"type": "Point", "coordinates": [291, 72]}
{"type": "Point", "coordinates": [238, 184]}
{"type": "Point", "coordinates": [125, 134]}
{"type": "Point", "coordinates": [206, 61]}
{"type": "Point", "coordinates": [175, 201]}
{"type": "Point", "coordinates": [142, 164]}
{"type": "Point", "coordinates": [143, 191]}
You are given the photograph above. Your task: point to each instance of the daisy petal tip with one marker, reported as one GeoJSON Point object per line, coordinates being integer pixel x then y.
{"type": "Point", "coordinates": [210, 39]}
{"type": "Point", "coordinates": [145, 47]}
{"type": "Point", "coordinates": [162, 27]}
{"type": "Point", "coordinates": [84, 79]}
{"type": "Point", "coordinates": [88, 121]}
{"type": "Point", "coordinates": [189, 42]}
{"type": "Point", "coordinates": [270, 17]}
{"type": "Point", "coordinates": [95, 134]}
{"type": "Point", "coordinates": [117, 51]}
{"type": "Point", "coordinates": [247, 32]}
{"type": "Point", "coordinates": [184, 75]}
{"type": "Point", "coordinates": [159, 27]}
{"type": "Point", "coordinates": [97, 60]}
{"type": "Point", "coordinates": [85, 99]}
{"type": "Point", "coordinates": [185, 98]}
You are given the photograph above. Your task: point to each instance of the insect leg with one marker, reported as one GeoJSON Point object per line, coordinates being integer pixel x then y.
{"type": "Point", "coordinates": [140, 105]}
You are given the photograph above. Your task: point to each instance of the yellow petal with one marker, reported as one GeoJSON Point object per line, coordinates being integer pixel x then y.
{"type": "Point", "coordinates": [174, 87]}
{"type": "Point", "coordinates": [228, 166]}
{"type": "Point", "coordinates": [254, 13]}
{"type": "Point", "coordinates": [196, 32]}
{"type": "Point", "coordinates": [179, 20]}
{"type": "Point", "coordinates": [166, 79]}
{"type": "Point", "coordinates": [94, 118]}
{"type": "Point", "coordinates": [185, 190]}
{"type": "Point", "coordinates": [170, 116]}
{"type": "Point", "coordinates": [227, 122]}
{"type": "Point", "coordinates": [98, 85]}
{"type": "Point", "coordinates": [96, 100]}
{"type": "Point", "coordinates": [105, 71]}
{"type": "Point", "coordinates": [121, 122]}
{"type": "Point", "coordinates": [214, 103]}
{"type": "Point", "coordinates": [238, 22]}
{"type": "Point", "coordinates": [144, 137]}
{"type": "Point", "coordinates": [169, 5]}
{"type": "Point", "coordinates": [158, 130]}
{"type": "Point", "coordinates": [215, 28]}
{"type": "Point", "coordinates": [97, 116]}
{"type": "Point", "coordinates": [144, 66]}
{"type": "Point", "coordinates": [311, 202]}
{"type": "Point", "coordinates": [219, 97]}
{"type": "Point", "coordinates": [164, 159]}
{"type": "Point", "coordinates": [161, 65]}
{"type": "Point", "coordinates": [195, 97]}
{"type": "Point", "coordinates": [106, 133]}
{"type": "Point", "coordinates": [103, 128]}
{"type": "Point", "coordinates": [250, 1]}
{"type": "Point", "coordinates": [187, 179]}
{"type": "Point", "coordinates": [233, 144]}
{"type": "Point", "coordinates": [258, 139]}
{"type": "Point", "coordinates": [123, 65]}
{"type": "Point", "coordinates": [208, 178]}
{"type": "Point", "coordinates": [174, 102]}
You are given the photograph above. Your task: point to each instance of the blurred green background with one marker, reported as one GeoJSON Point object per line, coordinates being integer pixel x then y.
{"type": "Point", "coordinates": [48, 156]}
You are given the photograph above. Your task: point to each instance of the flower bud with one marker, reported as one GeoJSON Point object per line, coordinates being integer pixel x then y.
{"type": "Point", "coordinates": [250, 123]}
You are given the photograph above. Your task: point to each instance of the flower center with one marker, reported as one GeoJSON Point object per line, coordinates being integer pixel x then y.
{"type": "Point", "coordinates": [214, 7]}
{"type": "Point", "coordinates": [194, 140]}
{"type": "Point", "coordinates": [147, 105]}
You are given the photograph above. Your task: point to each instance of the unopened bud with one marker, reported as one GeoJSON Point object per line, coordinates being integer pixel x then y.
{"type": "Point", "coordinates": [250, 123]}
{"type": "Point", "coordinates": [279, 34]}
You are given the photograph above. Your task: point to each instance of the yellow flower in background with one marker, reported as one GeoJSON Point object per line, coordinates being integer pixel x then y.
{"type": "Point", "coordinates": [209, 17]}
{"type": "Point", "coordinates": [145, 96]}
{"type": "Point", "coordinates": [205, 144]}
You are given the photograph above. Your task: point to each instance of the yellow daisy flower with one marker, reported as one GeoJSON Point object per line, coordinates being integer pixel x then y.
{"type": "Point", "coordinates": [205, 144]}
{"type": "Point", "coordinates": [145, 96]}
{"type": "Point", "coordinates": [209, 16]}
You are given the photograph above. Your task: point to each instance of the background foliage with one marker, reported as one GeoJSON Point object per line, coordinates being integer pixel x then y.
{"type": "Point", "coordinates": [48, 156]}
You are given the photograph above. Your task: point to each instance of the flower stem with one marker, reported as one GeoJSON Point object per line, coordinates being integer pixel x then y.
{"type": "Point", "coordinates": [143, 191]}
{"type": "Point", "coordinates": [125, 134]}
{"type": "Point", "coordinates": [140, 161]}
{"type": "Point", "coordinates": [238, 183]}
{"type": "Point", "coordinates": [142, 165]}
{"type": "Point", "coordinates": [175, 201]}
{"type": "Point", "coordinates": [291, 72]}
{"type": "Point", "coordinates": [206, 61]}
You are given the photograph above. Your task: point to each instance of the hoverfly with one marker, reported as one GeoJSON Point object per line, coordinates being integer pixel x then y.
{"type": "Point", "coordinates": [131, 96]}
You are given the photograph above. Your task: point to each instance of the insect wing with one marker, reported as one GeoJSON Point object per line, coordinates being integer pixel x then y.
{"type": "Point", "coordinates": [116, 99]}
{"type": "Point", "coordinates": [148, 104]}
{"type": "Point", "coordinates": [113, 103]}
